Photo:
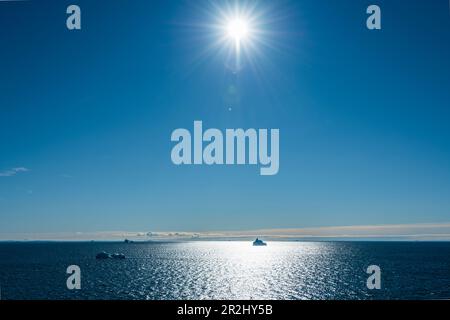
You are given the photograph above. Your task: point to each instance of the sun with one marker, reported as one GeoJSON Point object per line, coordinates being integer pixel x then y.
{"type": "Point", "coordinates": [237, 29]}
{"type": "Point", "coordinates": [240, 32]}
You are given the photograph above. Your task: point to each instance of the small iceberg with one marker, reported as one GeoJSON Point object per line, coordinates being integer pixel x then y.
{"type": "Point", "coordinates": [104, 255]}
{"type": "Point", "coordinates": [258, 242]}
{"type": "Point", "coordinates": [118, 256]}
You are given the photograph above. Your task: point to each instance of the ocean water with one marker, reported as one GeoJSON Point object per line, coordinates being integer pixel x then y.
{"type": "Point", "coordinates": [226, 270]}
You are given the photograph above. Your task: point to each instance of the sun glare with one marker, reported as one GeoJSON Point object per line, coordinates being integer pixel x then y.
{"type": "Point", "coordinates": [238, 29]}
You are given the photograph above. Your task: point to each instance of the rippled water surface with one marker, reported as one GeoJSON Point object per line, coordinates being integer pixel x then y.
{"type": "Point", "coordinates": [226, 270]}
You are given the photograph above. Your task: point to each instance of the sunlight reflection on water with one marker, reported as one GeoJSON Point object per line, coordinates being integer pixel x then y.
{"type": "Point", "coordinates": [226, 270]}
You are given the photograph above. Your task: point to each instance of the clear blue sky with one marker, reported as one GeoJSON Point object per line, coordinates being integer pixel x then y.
{"type": "Point", "coordinates": [363, 116]}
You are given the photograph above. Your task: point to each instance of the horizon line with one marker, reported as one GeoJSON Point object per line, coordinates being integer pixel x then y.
{"type": "Point", "coordinates": [383, 232]}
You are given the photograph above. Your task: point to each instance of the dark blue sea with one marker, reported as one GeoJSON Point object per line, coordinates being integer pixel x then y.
{"type": "Point", "coordinates": [226, 270]}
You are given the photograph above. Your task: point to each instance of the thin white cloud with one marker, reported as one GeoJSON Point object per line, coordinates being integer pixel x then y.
{"type": "Point", "coordinates": [13, 171]}
{"type": "Point", "coordinates": [402, 232]}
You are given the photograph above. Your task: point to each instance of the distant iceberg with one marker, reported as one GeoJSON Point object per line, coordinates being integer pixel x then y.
{"type": "Point", "coordinates": [118, 256]}
{"type": "Point", "coordinates": [258, 242]}
{"type": "Point", "coordinates": [104, 255]}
